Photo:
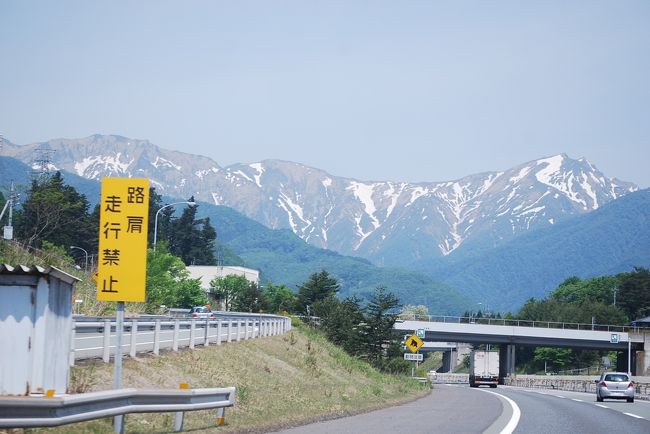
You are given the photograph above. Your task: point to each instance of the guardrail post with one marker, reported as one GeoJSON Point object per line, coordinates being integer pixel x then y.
{"type": "Point", "coordinates": [221, 416]}
{"type": "Point", "coordinates": [207, 332]}
{"type": "Point", "coordinates": [219, 332]}
{"type": "Point", "coordinates": [134, 338]}
{"type": "Point", "coordinates": [178, 421]}
{"type": "Point", "coordinates": [238, 330]}
{"type": "Point", "coordinates": [249, 329]}
{"type": "Point", "coordinates": [229, 339]}
{"type": "Point", "coordinates": [192, 332]}
{"type": "Point", "coordinates": [176, 332]}
{"type": "Point", "coordinates": [156, 338]}
{"type": "Point", "coordinates": [74, 332]}
{"type": "Point", "coordinates": [107, 341]}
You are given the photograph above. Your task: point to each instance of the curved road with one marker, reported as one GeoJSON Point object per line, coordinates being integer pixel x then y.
{"type": "Point", "coordinates": [461, 409]}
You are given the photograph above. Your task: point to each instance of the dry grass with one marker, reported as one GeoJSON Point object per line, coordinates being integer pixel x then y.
{"type": "Point", "coordinates": [281, 381]}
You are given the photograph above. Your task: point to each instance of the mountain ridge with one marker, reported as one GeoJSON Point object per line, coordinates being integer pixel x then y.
{"type": "Point", "coordinates": [390, 223]}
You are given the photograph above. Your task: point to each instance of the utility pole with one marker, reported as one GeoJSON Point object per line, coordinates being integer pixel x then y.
{"type": "Point", "coordinates": [9, 229]}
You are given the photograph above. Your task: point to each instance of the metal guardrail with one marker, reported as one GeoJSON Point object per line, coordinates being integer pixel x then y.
{"type": "Point", "coordinates": [518, 323]}
{"type": "Point", "coordinates": [170, 333]}
{"type": "Point", "coordinates": [30, 412]}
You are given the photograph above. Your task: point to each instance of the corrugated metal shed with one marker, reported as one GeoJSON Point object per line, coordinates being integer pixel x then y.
{"type": "Point", "coordinates": [37, 270]}
{"type": "Point", "coordinates": [35, 329]}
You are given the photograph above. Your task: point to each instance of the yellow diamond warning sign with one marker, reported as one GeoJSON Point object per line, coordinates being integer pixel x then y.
{"type": "Point", "coordinates": [413, 343]}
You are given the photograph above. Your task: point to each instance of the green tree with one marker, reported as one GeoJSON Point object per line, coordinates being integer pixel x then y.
{"type": "Point", "coordinates": [169, 284]}
{"type": "Point", "coordinates": [227, 289]}
{"type": "Point", "coordinates": [554, 358]}
{"type": "Point", "coordinates": [595, 289]}
{"type": "Point", "coordinates": [279, 298]}
{"type": "Point", "coordinates": [249, 299]}
{"type": "Point", "coordinates": [318, 287]}
{"type": "Point", "coordinates": [55, 212]}
{"type": "Point", "coordinates": [380, 315]}
{"type": "Point", "coordinates": [164, 227]}
{"type": "Point", "coordinates": [193, 239]}
{"type": "Point", "coordinates": [344, 323]}
{"type": "Point", "coordinates": [634, 293]}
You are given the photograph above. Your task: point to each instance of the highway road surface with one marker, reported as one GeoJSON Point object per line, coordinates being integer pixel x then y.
{"type": "Point", "coordinates": [505, 410]}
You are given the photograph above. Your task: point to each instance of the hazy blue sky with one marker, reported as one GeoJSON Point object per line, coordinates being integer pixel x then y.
{"type": "Point", "coordinates": [375, 90]}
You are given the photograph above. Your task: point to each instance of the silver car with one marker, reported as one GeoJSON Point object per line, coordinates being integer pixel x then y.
{"type": "Point", "coordinates": [201, 312]}
{"type": "Point", "coordinates": [614, 385]}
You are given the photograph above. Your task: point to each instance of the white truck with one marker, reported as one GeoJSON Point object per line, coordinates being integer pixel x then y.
{"type": "Point", "coordinates": [483, 368]}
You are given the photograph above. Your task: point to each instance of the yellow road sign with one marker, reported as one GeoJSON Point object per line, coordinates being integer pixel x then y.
{"type": "Point", "coordinates": [123, 227]}
{"type": "Point", "coordinates": [414, 343]}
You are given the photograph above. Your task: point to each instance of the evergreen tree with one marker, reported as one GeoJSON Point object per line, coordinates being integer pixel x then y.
{"type": "Point", "coordinates": [380, 314]}
{"type": "Point", "coordinates": [249, 299]}
{"type": "Point", "coordinates": [344, 323]}
{"type": "Point", "coordinates": [163, 229]}
{"type": "Point", "coordinates": [634, 293]}
{"type": "Point", "coordinates": [192, 239]}
{"type": "Point", "coordinates": [55, 212]}
{"type": "Point", "coordinates": [319, 287]}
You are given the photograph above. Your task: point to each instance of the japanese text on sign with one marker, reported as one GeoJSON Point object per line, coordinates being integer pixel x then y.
{"type": "Point", "coordinates": [123, 224]}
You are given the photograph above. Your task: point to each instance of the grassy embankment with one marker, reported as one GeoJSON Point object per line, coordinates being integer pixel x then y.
{"type": "Point", "coordinates": [281, 381]}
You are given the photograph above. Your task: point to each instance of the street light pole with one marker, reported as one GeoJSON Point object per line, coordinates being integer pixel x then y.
{"type": "Point", "coordinates": [85, 257]}
{"type": "Point", "coordinates": [155, 225]}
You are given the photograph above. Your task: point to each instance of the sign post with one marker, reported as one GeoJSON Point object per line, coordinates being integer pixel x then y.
{"type": "Point", "coordinates": [413, 343]}
{"type": "Point", "coordinates": [122, 267]}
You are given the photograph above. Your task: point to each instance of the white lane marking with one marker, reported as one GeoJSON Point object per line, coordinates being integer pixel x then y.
{"type": "Point", "coordinates": [558, 396]}
{"type": "Point", "coordinates": [576, 400]}
{"type": "Point", "coordinates": [601, 405]}
{"type": "Point", "coordinates": [634, 415]}
{"type": "Point", "coordinates": [516, 413]}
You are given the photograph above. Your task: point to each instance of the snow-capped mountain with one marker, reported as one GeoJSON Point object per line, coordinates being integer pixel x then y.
{"type": "Point", "coordinates": [392, 223]}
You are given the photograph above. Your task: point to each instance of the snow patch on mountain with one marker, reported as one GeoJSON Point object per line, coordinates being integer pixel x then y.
{"type": "Point", "coordinates": [417, 193]}
{"type": "Point", "coordinates": [101, 165]}
{"type": "Point", "coordinates": [258, 176]}
{"type": "Point", "coordinates": [162, 162]}
{"type": "Point", "coordinates": [393, 196]}
{"type": "Point", "coordinates": [364, 193]}
{"type": "Point", "coordinates": [293, 209]}
{"type": "Point", "coordinates": [202, 173]}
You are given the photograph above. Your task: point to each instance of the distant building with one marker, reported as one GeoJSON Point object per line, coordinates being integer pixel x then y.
{"type": "Point", "coordinates": [642, 322]}
{"type": "Point", "coordinates": [208, 272]}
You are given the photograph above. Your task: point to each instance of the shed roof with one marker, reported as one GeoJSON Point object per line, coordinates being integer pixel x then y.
{"type": "Point", "coordinates": [37, 270]}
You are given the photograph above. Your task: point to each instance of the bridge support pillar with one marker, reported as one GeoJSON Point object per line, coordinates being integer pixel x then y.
{"type": "Point", "coordinates": [449, 360]}
{"type": "Point", "coordinates": [506, 360]}
{"type": "Point", "coordinates": [621, 362]}
{"type": "Point", "coordinates": [643, 357]}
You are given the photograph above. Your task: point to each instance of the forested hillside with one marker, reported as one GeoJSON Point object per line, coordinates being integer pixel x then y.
{"type": "Point", "coordinates": [610, 240]}
{"type": "Point", "coordinates": [284, 258]}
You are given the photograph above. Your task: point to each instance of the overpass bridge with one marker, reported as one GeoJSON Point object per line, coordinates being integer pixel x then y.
{"type": "Point", "coordinates": [508, 334]}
